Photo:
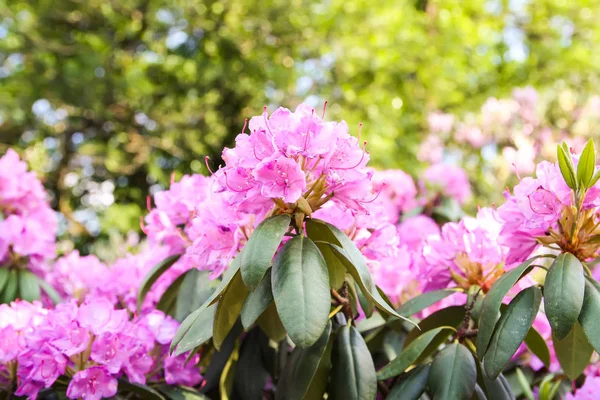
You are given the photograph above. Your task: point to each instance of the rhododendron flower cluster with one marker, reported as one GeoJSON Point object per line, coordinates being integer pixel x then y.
{"type": "Point", "coordinates": [289, 155]}
{"type": "Point", "coordinates": [541, 211]}
{"type": "Point", "coordinates": [94, 344]}
{"type": "Point", "coordinates": [466, 252]}
{"type": "Point", "coordinates": [27, 223]}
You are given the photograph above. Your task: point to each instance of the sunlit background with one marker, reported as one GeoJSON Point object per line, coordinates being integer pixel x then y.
{"type": "Point", "coordinates": [106, 98]}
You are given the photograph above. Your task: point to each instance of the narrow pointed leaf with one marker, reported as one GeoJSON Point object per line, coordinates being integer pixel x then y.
{"type": "Point", "coordinates": [195, 330]}
{"type": "Point", "coordinates": [301, 290]}
{"type": "Point", "coordinates": [228, 309]}
{"type": "Point", "coordinates": [490, 307]}
{"type": "Point", "coordinates": [29, 287]}
{"type": "Point", "coordinates": [353, 374]}
{"type": "Point", "coordinates": [586, 164]}
{"type": "Point", "coordinates": [301, 368]}
{"type": "Point", "coordinates": [257, 254]}
{"type": "Point", "coordinates": [589, 318]}
{"type": "Point", "coordinates": [11, 288]}
{"type": "Point", "coordinates": [409, 355]}
{"type": "Point", "coordinates": [50, 291]}
{"type": "Point", "coordinates": [422, 301]}
{"type": "Point", "coordinates": [497, 389]}
{"type": "Point", "coordinates": [537, 345]}
{"type": "Point", "coordinates": [411, 385]}
{"type": "Point", "coordinates": [257, 302]}
{"type": "Point", "coordinates": [168, 300]}
{"type": "Point", "coordinates": [153, 276]}
{"type": "Point", "coordinates": [4, 274]}
{"type": "Point", "coordinates": [565, 163]}
{"type": "Point", "coordinates": [511, 330]}
{"type": "Point", "coordinates": [573, 352]}
{"type": "Point", "coordinates": [270, 323]}
{"type": "Point", "coordinates": [335, 267]}
{"type": "Point", "coordinates": [453, 373]}
{"type": "Point", "coordinates": [196, 288]}
{"type": "Point", "coordinates": [564, 289]}
{"type": "Point", "coordinates": [450, 316]}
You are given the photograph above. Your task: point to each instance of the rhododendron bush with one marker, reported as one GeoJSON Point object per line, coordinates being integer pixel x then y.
{"type": "Point", "coordinates": [296, 271]}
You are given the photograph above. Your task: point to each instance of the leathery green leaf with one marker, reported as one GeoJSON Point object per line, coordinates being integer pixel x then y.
{"type": "Point", "coordinates": [453, 373]}
{"type": "Point", "coordinates": [564, 290]}
{"type": "Point", "coordinates": [353, 372]}
{"type": "Point", "coordinates": [257, 254]}
{"type": "Point", "coordinates": [301, 290]}
{"type": "Point", "coordinates": [511, 330]}
{"type": "Point", "coordinates": [409, 355]}
{"type": "Point", "coordinates": [490, 307]}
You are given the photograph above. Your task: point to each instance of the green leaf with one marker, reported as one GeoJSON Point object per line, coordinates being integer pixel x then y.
{"type": "Point", "coordinates": [567, 169]}
{"type": "Point", "coordinates": [497, 389]}
{"type": "Point", "coordinates": [564, 289]}
{"type": "Point", "coordinates": [181, 393]}
{"type": "Point", "coordinates": [198, 326]}
{"type": "Point", "coordinates": [353, 373]}
{"type": "Point", "coordinates": [257, 302]}
{"type": "Point", "coordinates": [251, 375]}
{"type": "Point", "coordinates": [524, 383]}
{"type": "Point", "coordinates": [449, 316]}
{"type": "Point", "coordinates": [228, 276]}
{"type": "Point", "coordinates": [196, 288]}
{"type": "Point", "coordinates": [301, 290]}
{"type": "Point", "coordinates": [4, 274]}
{"type": "Point", "coordinates": [257, 254]}
{"type": "Point", "coordinates": [595, 178]}
{"type": "Point", "coordinates": [453, 373]}
{"type": "Point", "coordinates": [29, 287]}
{"type": "Point", "coordinates": [300, 369]}
{"type": "Point", "coordinates": [537, 345]}
{"type": "Point", "coordinates": [143, 391]}
{"type": "Point", "coordinates": [318, 385]}
{"type": "Point", "coordinates": [573, 351]}
{"type": "Point", "coordinates": [586, 165]}
{"type": "Point", "coordinates": [590, 313]}
{"type": "Point", "coordinates": [153, 276]}
{"type": "Point", "coordinates": [11, 288]}
{"type": "Point", "coordinates": [355, 263]}
{"type": "Point", "coordinates": [411, 385]}
{"type": "Point", "coordinates": [422, 301]}
{"type": "Point", "coordinates": [409, 355]}
{"type": "Point", "coordinates": [490, 307]}
{"type": "Point", "coordinates": [168, 301]}
{"type": "Point", "coordinates": [511, 330]}
{"type": "Point", "coordinates": [228, 309]}
{"type": "Point", "coordinates": [270, 323]}
{"type": "Point", "coordinates": [50, 291]}
{"type": "Point", "coordinates": [335, 267]}
{"type": "Point", "coordinates": [195, 330]}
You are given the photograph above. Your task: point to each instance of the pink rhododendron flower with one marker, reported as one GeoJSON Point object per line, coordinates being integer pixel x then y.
{"type": "Point", "coordinates": [28, 225]}
{"type": "Point", "coordinates": [447, 180]}
{"type": "Point", "coordinates": [535, 208]}
{"type": "Point", "coordinates": [77, 276]}
{"type": "Point", "coordinates": [467, 252]}
{"type": "Point", "coordinates": [280, 177]}
{"type": "Point", "coordinates": [396, 192]}
{"type": "Point", "coordinates": [93, 383]}
{"type": "Point", "coordinates": [589, 390]}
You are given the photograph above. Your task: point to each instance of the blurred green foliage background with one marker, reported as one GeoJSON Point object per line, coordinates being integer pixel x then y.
{"type": "Point", "coordinates": [105, 98]}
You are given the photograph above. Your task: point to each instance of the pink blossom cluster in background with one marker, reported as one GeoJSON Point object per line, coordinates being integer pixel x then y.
{"type": "Point", "coordinates": [27, 223]}
{"type": "Point", "coordinates": [94, 342]}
